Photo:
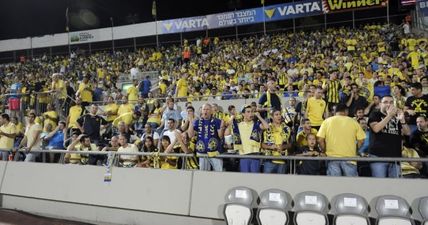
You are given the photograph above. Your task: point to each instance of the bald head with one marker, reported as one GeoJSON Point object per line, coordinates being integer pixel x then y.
{"type": "Point", "coordinates": [206, 111]}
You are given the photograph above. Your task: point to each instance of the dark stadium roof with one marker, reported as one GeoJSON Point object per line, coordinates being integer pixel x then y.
{"type": "Point", "coordinates": [24, 18]}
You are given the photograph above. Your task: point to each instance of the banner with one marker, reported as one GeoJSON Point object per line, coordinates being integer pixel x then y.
{"type": "Point", "coordinates": [422, 7]}
{"type": "Point", "coordinates": [332, 6]}
{"type": "Point", "coordinates": [243, 17]}
{"type": "Point", "coordinates": [293, 10]}
{"type": "Point", "coordinates": [83, 37]}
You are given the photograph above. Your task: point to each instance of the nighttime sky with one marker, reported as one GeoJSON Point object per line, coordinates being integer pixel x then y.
{"type": "Point", "coordinates": [24, 18]}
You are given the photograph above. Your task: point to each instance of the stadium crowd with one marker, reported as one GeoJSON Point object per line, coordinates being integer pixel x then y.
{"type": "Point", "coordinates": [350, 92]}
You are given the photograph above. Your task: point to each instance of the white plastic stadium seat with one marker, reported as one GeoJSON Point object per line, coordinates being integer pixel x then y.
{"type": "Point", "coordinates": [237, 214]}
{"type": "Point", "coordinates": [394, 221]}
{"type": "Point", "coordinates": [350, 220]}
{"type": "Point", "coordinates": [350, 209]}
{"type": "Point", "coordinates": [310, 218]}
{"type": "Point", "coordinates": [272, 217]}
{"type": "Point", "coordinates": [393, 210]}
{"type": "Point", "coordinates": [310, 209]}
{"type": "Point", "coordinates": [423, 209]}
{"type": "Point", "coordinates": [273, 208]}
{"type": "Point", "coordinates": [238, 208]}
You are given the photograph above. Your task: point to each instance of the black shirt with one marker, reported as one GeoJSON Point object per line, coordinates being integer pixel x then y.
{"type": "Point", "coordinates": [419, 140]}
{"type": "Point", "coordinates": [91, 126]}
{"type": "Point", "coordinates": [274, 101]}
{"type": "Point", "coordinates": [358, 103]}
{"type": "Point", "coordinates": [420, 105]}
{"type": "Point", "coordinates": [387, 142]}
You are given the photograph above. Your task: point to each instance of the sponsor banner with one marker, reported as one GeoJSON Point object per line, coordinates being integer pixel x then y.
{"type": "Point", "coordinates": [236, 18]}
{"type": "Point", "coordinates": [83, 37]}
{"type": "Point", "coordinates": [243, 17]}
{"type": "Point", "coordinates": [423, 7]}
{"type": "Point", "coordinates": [293, 10]}
{"type": "Point", "coordinates": [184, 24]}
{"type": "Point", "coordinates": [332, 6]}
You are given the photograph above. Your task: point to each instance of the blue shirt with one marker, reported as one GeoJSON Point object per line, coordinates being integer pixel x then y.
{"type": "Point", "coordinates": [57, 141]}
{"type": "Point", "coordinates": [365, 147]}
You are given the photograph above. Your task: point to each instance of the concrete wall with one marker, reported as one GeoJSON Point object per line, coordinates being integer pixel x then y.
{"type": "Point", "coordinates": [148, 196]}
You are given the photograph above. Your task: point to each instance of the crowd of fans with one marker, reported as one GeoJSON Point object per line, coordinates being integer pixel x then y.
{"type": "Point", "coordinates": [350, 92]}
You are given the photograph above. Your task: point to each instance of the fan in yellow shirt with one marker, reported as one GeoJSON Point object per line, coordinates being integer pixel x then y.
{"type": "Point", "coordinates": [132, 93]}
{"type": "Point", "coordinates": [182, 86]}
{"type": "Point", "coordinates": [75, 112]}
{"type": "Point", "coordinates": [111, 109]}
{"type": "Point", "coordinates": [50, 117]}
{"type": "Point", "coordinates": [85, 92]}
{"type": "Point", "coordinates": [125, 107]}
{"type": "Point", "coordinates": [315, 108]}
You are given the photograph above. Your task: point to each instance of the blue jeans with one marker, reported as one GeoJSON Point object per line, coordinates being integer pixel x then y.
{"type": "Point", "coordinates": [341, 168]}
{"type": "Point", "coordinates": [249, 165]}
{"type": "Point", "coordinates": [207, 163]}
{"type": "Point", "coordinates": [5, 156]}
{"type": "Point", "coordinates": [385, 169]}
{"type": "Point", "coordinates": [270, 167]}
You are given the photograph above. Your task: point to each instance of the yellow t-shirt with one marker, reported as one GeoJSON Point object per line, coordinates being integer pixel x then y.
{"type": "Point", "coordinates": [182, 88]}
{"type": "Point", "coordinates": [315, 109]}
{"type": "Point", "coordinates": [406, 168]}
{"type": "Point", "coordinates": [59, 84]}
{"type": "Point", "coordinates": [5, 142]}
{"type": "Point", "coordinates": [124, 108]}
{"type": "Point", "coordinates": [125, 117]}
{"type": "Point", "coordinates": [53, 115]}
{"type": "Point", "coordinates": [414, 59]}
{"type": "Point", "coordinates": [85, 95]}
{"type": "Point", "coordinates": [75, 113]}
{"type": "Point", "coordinates": [33, 133]}
{"type": "Point", "coordinates": [111, 108]}
{"type": "Point", "coordinates": [340, 134]}
{"type": "Point", "coordinates": [162, 88]}
{"type": "Point", "coordinates": [78, 158]}
{"type": "Point", "coordinates": [248, 146]}
{"type": "Point", "coordinates": [132, 94]}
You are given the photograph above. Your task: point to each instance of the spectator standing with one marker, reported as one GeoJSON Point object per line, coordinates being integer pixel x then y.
{"type": "Point", "coordinates": [247, 138]}
{"type": "Point", "coordinates": [209, 132]}
{"type": "Point", "coordinates": [145, 86]}
{"type": "Point", "coordinates": [31, 139]}
{"type": "Point", "coordinates": [315, 109]}
{"type": "Point", "coordinates": [387, 127]}
{"type": "Point", "coordinates": [7, 135]}
{"type": "Point", "coordinates": [337, 137]}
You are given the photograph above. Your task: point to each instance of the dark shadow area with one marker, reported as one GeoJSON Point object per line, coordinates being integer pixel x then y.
{"type": "Point", "coordinates": [14, 217]}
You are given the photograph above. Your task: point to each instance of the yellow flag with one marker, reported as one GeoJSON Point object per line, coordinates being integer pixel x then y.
{"type": "Point", "coordinates": [262, 2]}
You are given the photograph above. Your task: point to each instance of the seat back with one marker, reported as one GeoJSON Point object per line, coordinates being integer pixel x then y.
{"type": "Point", "coordinates": [311, 208]}
{"type": "Point", "coordinates": [238, 208]}
{"type": "Point", "coordinates": [350, 209]}
{"type": "Point", "coordinates": [423, 208]}
{"type": "Point", "coordinates": [273, 208]}
{"type": "Point", "coordinates": [348, 203]}
{"type": "Point", "coordinates": [392, 209]}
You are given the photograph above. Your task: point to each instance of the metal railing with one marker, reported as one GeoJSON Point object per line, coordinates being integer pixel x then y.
{"type": "Point", "coordinates": [114, 156]}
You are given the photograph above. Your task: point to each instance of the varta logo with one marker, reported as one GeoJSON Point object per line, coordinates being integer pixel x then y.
{"type": "Point", "coordinates": [270, 12]}
{"type": "Point", "coordinates": [167, 26]}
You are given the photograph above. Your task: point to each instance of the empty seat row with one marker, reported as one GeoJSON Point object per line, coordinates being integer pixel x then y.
{"type": "Point", "coordinates": [312, 208]}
